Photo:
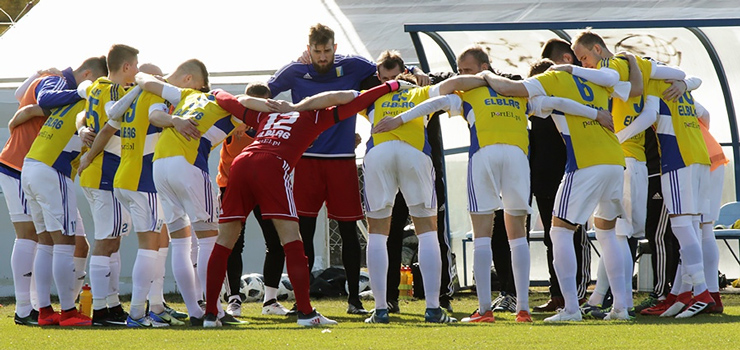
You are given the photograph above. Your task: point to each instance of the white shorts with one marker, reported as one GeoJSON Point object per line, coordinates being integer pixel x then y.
{"type": "Point", "coordinates": [110, 217]}
{"type": "Point", "coordinates": [498, 171]}
{"type": "Point", "coordinates": [146, 212]}
{"type": "Point", "coordinates": [186, 194]}
{"type": "Point", "coordinates": [395, 165]}
{"type": "Point", "coordinates": [716, 182]}
{"type": "Point", "coordinates": [685, 190]}
{"type": "Point", "coordinates": [15, 199]}
{"type": "Point", "coordinates": [51, 198]}
{"type": "Point", "coordinates": [632, 223]}
{"type": "Point", "coordinates": [596, 189]}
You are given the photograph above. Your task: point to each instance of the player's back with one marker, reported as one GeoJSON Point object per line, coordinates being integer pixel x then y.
{"type": "Point", "coordinates": [288, 135]}
{"type": "Point", "coordinates": [393, 104]}
{"type": "Point", "coordinates": [587, 142]}
{"type": "Point", "coordinates": [679, 133]}
{"type": "Point", "coordinates": [103, 168]}
{"type": "Point", "coordinates": [214, 124]}
{"type": "Point", "coordinates": [495, 119]}
{"type": "Point", "coordinates": [58, 144]}
{"type": "Point", "coordinates": [138, 139]}
{"type": "Point", "coordinates": [624, 112]}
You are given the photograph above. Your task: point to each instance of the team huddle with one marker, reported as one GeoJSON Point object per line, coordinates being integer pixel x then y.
{"type": "Point", "coordinates": [140, 142]}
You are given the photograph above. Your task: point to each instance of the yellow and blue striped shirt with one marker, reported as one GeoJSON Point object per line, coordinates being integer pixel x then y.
{"type": "Point", "coordinates": [392, 104]}
{"type": "Point", "coordinates": [103, 168]}
{"type": "Point", "coordinates": [495, 119]}
{"type": "Point", "coordinates": [214, 124]}
{"type": "Point", "coordinates": [57, 144]}
{"type": "Point", "coordinates": [138, 139]}
{"type": "Point", "coordinates": [679, 133]}
{"type": "Point", "coordinates": [624, 112]}
{"type": "Point", "coordinates": [587, 143]}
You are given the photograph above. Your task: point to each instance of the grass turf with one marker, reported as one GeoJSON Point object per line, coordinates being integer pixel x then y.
{"type": "Point", "coordinates": [406, 331]}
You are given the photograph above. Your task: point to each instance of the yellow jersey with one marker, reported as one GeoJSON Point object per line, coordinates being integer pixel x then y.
{"type": "Point", "coordinates": [57, 144]}
{"type": "Point", "coordinates": [214, 124]}
{"type": "Point", "coordinates": [587, 143]}
{"type": "Point", "coordinates": [495, 119]}
{"type": "Point", "coordinates": [138, 139]}
{"type": "Point", "coordinates": [679, 133]}
{"type": "Point", "coordinates": [624, 112]}
{"type": "Point", "coordinates": [392, 104]}
{"type": "Point", "coordinates": [103, 168]}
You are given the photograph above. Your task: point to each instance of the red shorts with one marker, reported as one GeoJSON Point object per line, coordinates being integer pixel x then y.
{"type": "Point", "coordinates": [333, 181]}
{"type": "Point", "coordinates": [258, 179]}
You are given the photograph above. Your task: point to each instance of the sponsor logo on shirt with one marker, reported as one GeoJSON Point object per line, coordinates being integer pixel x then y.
{"type": "Point", "coordinates": [307, 76]}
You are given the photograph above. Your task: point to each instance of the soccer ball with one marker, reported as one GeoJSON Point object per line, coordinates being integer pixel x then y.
{"type": "Point", "coordinates": [285, 289]}
{"type": "Point", "coordinates": [364, 282]}
{"type": "Point", "coordinates": [252, 287]}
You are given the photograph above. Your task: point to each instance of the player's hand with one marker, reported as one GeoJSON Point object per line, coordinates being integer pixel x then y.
{"type": "Point", "coordinates": [422, 78]}
{"type": "Point", "coordinates": [84, 163]}
{"type": "Point", "coordinates": [677, 89]}
{"type": "Point", "coordinates": [562, 68]}
{"type": "Point", "coordinates": [358, 139]}
{"type": "Point", "coordinates": [628, 55]}
{"type": "Point", "coordinates": [404, 85]}
{"type": "Point", "coordinates": [605, 119]}
{"type": "Point", "coordinates": [87, 135]}
{"type": "Point", "coordinates": [50, 71]}
{"type": "Point", "coordinates": [387, 124]}
{"type": "Point", "coordinates": [188, 127]}
{"type": "Point", "coordinates": [280, 106]}
{"type": "Point", "coordinates": [305, 58]}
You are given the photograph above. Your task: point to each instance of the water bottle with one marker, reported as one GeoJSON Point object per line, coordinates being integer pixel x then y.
{"type": "Point", "coordinates": [86, 301]}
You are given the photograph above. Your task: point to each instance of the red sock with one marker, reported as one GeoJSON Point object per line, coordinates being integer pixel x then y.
{"type": "Point", "coordinates": [684, 297]}
{"type": "Point", "coordinates": [215, 276]}
{"type": "Point", "coordinates": [297, 266]}
{"type": "Point", "coordinates": [717, 298]}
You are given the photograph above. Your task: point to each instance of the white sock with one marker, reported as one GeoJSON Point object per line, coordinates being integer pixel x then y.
{"type": "Point", "coordinates": [115, 276]}
{"type": "Point", "coordinates": [677, 280]}
{"type": "Point", "coordinates": [270, 293]}
{"type": "Point", "coordinates": [43, 273]}
{"type": "Point", "coordinates": [430, 264]}
{"type": "Point", "coordinates": [482, 260]}
{"type": "Point", "coordinates": [156, 292]}
{"type": "Point", "coordinates": [80, 273]}
{"type": "Point", "coordinates": [34, 294]}
{"type": "Point", "coordinates": [204, 253]}
{"type": "Point", "coordinates": [182, 269]}
{"type": "Point", "coordinates": [377, 267]}
{"type": "Point", "coordinates": [624, 247]}
{"type": "Point", "coordinates": [613, 257]}
{"type": "Point", "coordinates": [602, 286]}
{"type": "Point", "coordinates": [21, 263]}
{"type": "Point", "coordinates": [710, 254]}
{"type": "Point", "coordinates": [564, 261]}
{"type": "Point", "coordinates": [99, 280]}
{"type": "Point", "coordinates": [63, 267]}
{"type": "Point", "coordinates": [691, 252]}
{"type": "Point", "coordinates": [520, 267]}
{"type": "Point", "coordinates": [194, 248]}
{"type": "Point", "coordinates": [141, 278]}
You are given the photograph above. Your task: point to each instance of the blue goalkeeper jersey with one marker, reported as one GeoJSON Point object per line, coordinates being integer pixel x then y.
{"type": "Point", "coordinates": [303, 81]}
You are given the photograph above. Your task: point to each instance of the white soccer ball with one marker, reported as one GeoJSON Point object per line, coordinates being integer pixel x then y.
{"type": "Point", "coordinates": [364, 282]}
{"type": "Point", "coordinates": [252, 287]}
{"type": "Point", "coordinates": [285, 289]}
